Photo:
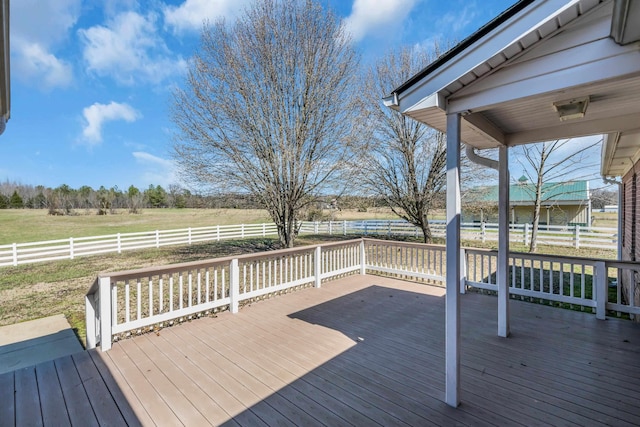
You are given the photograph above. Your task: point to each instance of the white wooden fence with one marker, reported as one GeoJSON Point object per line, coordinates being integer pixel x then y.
{"type": "Point", "coordinates": [571, 235]}
{"type": "Point", "coordinates": [51, 250]}
{"type": "Point", "coordinates": [141, 300]}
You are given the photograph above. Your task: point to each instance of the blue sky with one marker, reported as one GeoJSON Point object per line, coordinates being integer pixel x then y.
{"type": "Point", "coordinates": [91, 80]}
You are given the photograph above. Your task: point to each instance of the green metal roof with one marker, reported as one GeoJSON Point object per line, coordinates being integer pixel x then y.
{"type": "Point", "coordinates": [524, 193]}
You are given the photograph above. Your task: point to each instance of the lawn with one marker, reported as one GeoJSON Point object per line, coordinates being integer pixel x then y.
{"type": "Point", "coordinates": [34, 225]}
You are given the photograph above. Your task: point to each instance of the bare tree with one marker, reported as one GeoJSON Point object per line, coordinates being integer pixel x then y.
{"type": "Point", "coordinates": [555, 161]}
{"type": "Point", "coordinates": [405, 160]}
{"type": "Point", "coordinates": [268, 107]}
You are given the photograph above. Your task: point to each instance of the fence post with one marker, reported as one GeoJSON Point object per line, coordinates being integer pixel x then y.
{"type": "Point", "coordinates": [104, 284]}
{"type": "Point", "coordinates": [526, 234]}
{"type": "Point", "coordinates": [242, 231]}
{"type": "Point", "coordinates": [70, 247]}
{"type": "Point", "coordinates": [234, 285]}
{"type": "Point", "coordinates": [317, 266]}
{"type": "Point", "coordinates": [388, 228]}
{"type": "Point", "coordinates": [483, 232]}
{"type": "Point", "coordinates": [15, 254]}
{"type": "Point", "coordinates": [315, 227]}
{"type": "Point", "coordinates": [157, 239]}
{"type": "Point", "coordinates": [344, 227]}
{"type": "Point", "coordinates": [119, 244]}
{"type": "Point", "coordinates": [463, 271]}
{"type": "Point", "coordinates": [363, 258]}
{"type": "Point", "coordinates": [366, 223]}
{"type": "Point", "coordinates": [577, 237]}
{"type": "Point", "coordinates": [601, 285]}
{"type": "Point", "coordinates": [218, 233]}
{"type": "Point", "coordinates": [189, 235]}
{"type": "Point", "coordinates": [330, 228]}
{"type": "Point", "coordinates": [264, 229]}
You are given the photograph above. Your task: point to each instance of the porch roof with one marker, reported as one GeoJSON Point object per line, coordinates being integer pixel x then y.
{"type": "Point", "coordinates": [506, 78]}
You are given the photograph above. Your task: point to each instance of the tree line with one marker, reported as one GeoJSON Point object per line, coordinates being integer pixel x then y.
{"type": "Point", "coordinates": [65, 200]}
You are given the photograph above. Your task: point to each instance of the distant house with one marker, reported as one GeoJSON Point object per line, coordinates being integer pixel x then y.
{"type": "Point", "coordinates": [563, 203]}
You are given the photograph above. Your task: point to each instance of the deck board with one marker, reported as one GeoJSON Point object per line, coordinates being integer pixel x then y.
{"type": "Point", "coordinates": [51, 399]}
{"type": "Point", "coordinates": [362, 350]}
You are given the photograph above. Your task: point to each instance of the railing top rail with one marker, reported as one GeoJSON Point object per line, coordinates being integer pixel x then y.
{"type": "Point", "coordinates": [545, 257]}
{"type": "Point", "coordinates": [174, 268]}
{"type": "Point", "coordinates": [404, 244]}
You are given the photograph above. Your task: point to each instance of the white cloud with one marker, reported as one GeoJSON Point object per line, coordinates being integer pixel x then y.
{"type": "Point", "coordinates": [97, 114]}
{"type": "Point", "coordinates": [38, 28]}
{"type": "Point", "coordinates": [156, 170]}
{"type": "Point", "coordinates": [34, 63]}
{"type": "Point", "coordinates": [190, 15]}
{"type": "Point", "coordinates": [129, 50]}
{"type": "Point", "coordinates": [368, 16]}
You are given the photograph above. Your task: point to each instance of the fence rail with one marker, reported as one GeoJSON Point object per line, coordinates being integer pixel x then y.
{"type": "Point", "coordinates": [571, 235]}
{"type": "Point", "coordinates": [134, 300]}
{"type": "Point", "coordinates": [52, 250]}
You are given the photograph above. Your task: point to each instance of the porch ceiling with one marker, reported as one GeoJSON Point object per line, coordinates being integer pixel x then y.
{"type": "Point", "coordinates": [505, 83]}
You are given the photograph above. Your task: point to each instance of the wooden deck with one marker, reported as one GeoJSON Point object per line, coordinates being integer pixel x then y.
{"type": "Point", "coordinates": [362, 351]}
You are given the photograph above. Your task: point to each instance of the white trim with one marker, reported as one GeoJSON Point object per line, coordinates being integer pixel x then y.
{"type": "Point", "coordinates": [508, 33]}
{"type": "Point", "coordinates": [583, 65]}
{"type": "Point", "coordinates": [503, 244]}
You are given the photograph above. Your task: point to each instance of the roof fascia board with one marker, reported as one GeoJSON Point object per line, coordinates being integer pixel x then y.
{"type": "Point", "coordinates": [510, 31]}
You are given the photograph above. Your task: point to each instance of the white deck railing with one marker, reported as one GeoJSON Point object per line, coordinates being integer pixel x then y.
{"type": "Point", "coordinates": [140, 300]}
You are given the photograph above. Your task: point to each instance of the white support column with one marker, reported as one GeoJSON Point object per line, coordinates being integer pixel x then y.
{"type": "Point", "coordinates": [503, 243]}
{"type": "Point", "coordinates": [452, 316]}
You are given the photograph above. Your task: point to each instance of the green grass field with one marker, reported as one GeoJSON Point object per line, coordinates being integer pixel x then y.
{"type": "Point", "coordinates": [34, 225]}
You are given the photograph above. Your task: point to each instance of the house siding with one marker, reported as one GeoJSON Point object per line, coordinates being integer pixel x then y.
{"type": "Point", "coordinates": [630, 230]}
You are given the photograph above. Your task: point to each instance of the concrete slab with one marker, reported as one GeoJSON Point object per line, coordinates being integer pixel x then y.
{"type": "Point", "coordinates": [29, 343]}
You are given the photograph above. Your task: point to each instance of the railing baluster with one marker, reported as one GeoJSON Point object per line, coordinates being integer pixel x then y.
{"type": "Point", "coordinates": [127, 310]}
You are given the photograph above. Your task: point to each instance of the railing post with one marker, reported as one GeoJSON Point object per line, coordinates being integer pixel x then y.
{"type": "Point", "coordinates": [600, 289]}
{"type": "Point", "coordinates": [463, 271]}
{"type": "Point", "coordinates": [157, 239]}
{"type": "Point", "coordinates": [234, 285]}
{"type": "Point", "coordinates": [90, 319]}
{"type": "Point", "coordinates": [577, 236]}
{"type": "Point", "coordinates": [363, 258]}
{"type": "Point", "coordinates": [119, 244]}
{"type": "Point", "coordinates": [526, 234]}
{"type": "Point", "coordinates": [317, 266]}
{"type": "Point", "coordinates": [104, 284]}
{"type": "Point", "coordinates": [15, 254]}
